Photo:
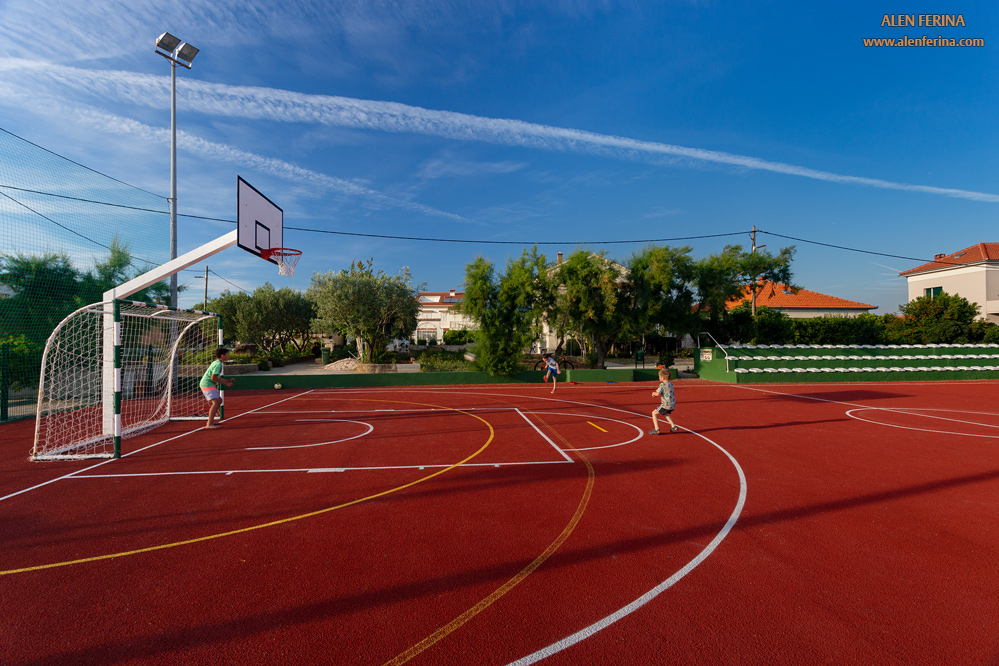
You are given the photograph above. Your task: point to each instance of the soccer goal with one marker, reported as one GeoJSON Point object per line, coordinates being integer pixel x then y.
{"type": "Point", "coordinates": [119, 368]}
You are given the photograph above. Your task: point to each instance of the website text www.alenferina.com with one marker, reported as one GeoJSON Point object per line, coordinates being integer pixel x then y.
{"type": "Point", "coordinates": [923, 21]}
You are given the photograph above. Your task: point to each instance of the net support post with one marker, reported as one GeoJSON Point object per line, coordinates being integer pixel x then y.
{"type": "Point", "coordinates": [4, 380]}
{"type": "Point", "coordinates": [117, 379]}
{"type": "Point", "coordinates": [221, 392]}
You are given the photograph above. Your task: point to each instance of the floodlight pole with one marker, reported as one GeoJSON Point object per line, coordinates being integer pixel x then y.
{"type": "Point", "coordinates": [177, 52]}
{"type": "Point", "coordinates": [173, 177]}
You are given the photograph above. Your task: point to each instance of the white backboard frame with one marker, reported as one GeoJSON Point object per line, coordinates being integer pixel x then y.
{"type": "Point", "coordinates": [259, 221]}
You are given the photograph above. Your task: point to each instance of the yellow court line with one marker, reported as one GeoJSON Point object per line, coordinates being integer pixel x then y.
{"type": "Point", "coordinates": [457, 622]}
{"type": "Point", "coordinates": [596, 426]}
{"type": "Point", "coordinates": [111, 556]}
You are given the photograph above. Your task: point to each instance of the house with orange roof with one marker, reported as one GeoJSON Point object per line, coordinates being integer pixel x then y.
{"type": "Point", "coordinates": [437, 314]}
{"type": "Point", "coordinates": [972, 273]}
{"type": "Point", "coordinates": [800, 303]}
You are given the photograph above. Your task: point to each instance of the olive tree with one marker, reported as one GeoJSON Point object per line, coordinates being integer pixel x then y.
{"type": "Point", "coordinates": [360, 303]}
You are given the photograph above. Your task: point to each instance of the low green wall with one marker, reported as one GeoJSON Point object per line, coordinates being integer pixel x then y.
{"type": "Point", "coordinates": [311, 381]}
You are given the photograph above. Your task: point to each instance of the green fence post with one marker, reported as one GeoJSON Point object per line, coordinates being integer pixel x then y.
{"type": "Point", "coordinates": [4, 380]}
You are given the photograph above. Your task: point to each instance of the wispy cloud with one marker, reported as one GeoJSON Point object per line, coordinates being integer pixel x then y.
{"type": "Point", "coordinates": [444, 167]}
{"type": "Point", "coordinates": [121, 126]}
{"type": "Point", "coordinates": [286, 106]}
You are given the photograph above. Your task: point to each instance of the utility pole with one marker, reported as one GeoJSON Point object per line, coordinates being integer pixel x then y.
{"type": "Point", "coordinates": [753, 286]}
{"type": "Point", "coordinates": [206, 288]}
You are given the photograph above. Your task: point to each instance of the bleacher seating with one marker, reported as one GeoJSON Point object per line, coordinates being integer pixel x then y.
{"type": "Point", "coordinates": [931, 361]}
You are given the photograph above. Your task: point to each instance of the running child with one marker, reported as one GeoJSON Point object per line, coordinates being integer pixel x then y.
{"type": "Point", "coordinates": [667, 404]}
{"type": "Point", "coordinates": [552, 370]}
{"type": "Point", "coordinates": [210, 384]}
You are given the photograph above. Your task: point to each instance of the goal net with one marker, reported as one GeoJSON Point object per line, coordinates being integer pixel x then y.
{"type": "Point", "coordinates": [119, 368]}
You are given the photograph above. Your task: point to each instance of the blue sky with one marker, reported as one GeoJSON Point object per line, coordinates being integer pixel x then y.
{"type": "Point", "coordinates": [567, 122]}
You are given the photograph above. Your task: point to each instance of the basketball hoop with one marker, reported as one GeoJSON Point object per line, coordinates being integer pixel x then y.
{"type": "Point", "coordinates": [285, 257]}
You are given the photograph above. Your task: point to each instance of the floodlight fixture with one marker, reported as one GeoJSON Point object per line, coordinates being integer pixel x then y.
{"type": "Point", "coordinates": [167, 42]}
{"type": "Point", "coordinates": [186, 53]}
{"type": "Point", "coordinates": [176, 51]}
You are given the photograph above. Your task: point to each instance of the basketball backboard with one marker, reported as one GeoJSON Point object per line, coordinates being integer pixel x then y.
{"type": "Point", "coordinates": [259, 221]}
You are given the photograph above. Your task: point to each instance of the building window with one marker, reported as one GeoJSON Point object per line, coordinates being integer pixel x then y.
{"type": "Point", "coordinates": [933, 292]}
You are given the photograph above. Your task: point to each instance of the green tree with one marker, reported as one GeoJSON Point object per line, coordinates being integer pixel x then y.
{"type": "Point", "coordinates": [661, 292]}
{"type": "Point", "coordinates": [234, 309]}
{"type": "Point", "coordinates": [44, 290]}
{"type": "Point", "coordinates": [596, 298]}
{"type": "Point", "coordinates": [943, 318]}
{"type": "Point", "coordinates": [758, 268]}
{"type": "Point", "coordinates": [116, 269]}
{"type": "Point", "coordinates": [722, 277]}
{"type": "Point", "coordinates": [360, 303]}
{"type": "Point", "coordinates": [716, 281]}
{"type": "Point", "coordinates": [281, 317]}
{"type": "Point", "coordinates": [508, 310]}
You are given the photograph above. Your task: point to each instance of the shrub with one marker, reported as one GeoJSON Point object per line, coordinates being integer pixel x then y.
{"type": "Point", "coordinates": [464, 336]}
{"type": "Point", "coordinates": [439, 360]}
{"type": "Point", "coordinates": [24, 361]}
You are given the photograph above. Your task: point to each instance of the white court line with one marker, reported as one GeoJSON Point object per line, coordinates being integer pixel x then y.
{"type": "Point", "coordinates": [851, 414]}
{"type": "Point", "coordinates": [627, 610]}
{"type": "Point", "coordinates": [105, 462]}
{"type": "Point", "coordinates": [605, 418]}
{"type": "Point", "coordinates": [894, 410]}
{"type": "Point", "coordinates": [538, 430]}
{"type": "Point", "coordinates": [306, 446]}
{"type": "Point", "coordinates": [313, 470]}
{"type": "Point", "coordinates": [913, 411]}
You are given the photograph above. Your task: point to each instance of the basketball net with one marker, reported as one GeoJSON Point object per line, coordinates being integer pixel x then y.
{"type": "Point", "coordinates": [285, 257]}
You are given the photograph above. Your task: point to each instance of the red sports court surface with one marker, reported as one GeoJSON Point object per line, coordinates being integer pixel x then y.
{"type": "Point", "coordinates": [791, 524]}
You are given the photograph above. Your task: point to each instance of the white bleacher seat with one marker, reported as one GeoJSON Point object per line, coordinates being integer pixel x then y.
{"type": "Point", "coordinates": [742, 371]}
{"type": "Point", "coordinates": [770, 370]}
{"type": "Point", "coordinates": [756, 370]}
{"type": "Point", "coordinates": [799, 370]}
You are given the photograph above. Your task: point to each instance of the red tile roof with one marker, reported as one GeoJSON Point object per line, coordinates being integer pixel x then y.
{"type": "Point", "coordinates": [781, 298]}
{"type": "Point", "coordinates": [969, 255]}
{"type": "Point", "coordinates": [439, 299]}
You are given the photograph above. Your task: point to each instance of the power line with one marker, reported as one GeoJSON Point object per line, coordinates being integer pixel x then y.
{"type": "Point", "coordinates": [450, 240]}
{"type": "Point", "coordinates": [853, 249]}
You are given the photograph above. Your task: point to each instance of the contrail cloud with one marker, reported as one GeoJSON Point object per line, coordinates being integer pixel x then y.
{"type": "Point", "coordinates": [287, 106]}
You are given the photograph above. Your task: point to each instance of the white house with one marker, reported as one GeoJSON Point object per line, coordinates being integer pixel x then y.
{"type": "Point", "coordinates": [437, 314]}
{"type": "Point", "coordinates": [972, 273]}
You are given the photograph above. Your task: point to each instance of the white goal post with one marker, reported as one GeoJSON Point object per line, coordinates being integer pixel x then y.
{"type": "Point", "coordinates": [157, 357]}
